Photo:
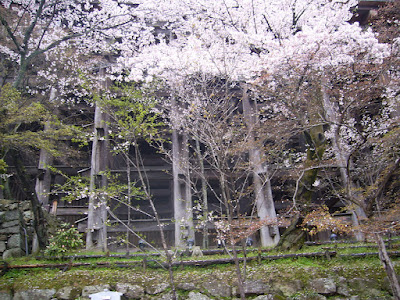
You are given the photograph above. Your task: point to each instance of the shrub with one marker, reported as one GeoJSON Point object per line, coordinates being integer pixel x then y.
{"type": "Point", "coordinates": [66, 238]}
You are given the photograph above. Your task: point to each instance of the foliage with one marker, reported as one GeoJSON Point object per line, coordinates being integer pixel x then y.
{"type": "Point", "coordinates": [320, 219]}
{"type": "Point", "coordinates": [78, 187]}
{"type": "Point", "coordinates": [23, 120]}
{"type": "Point", "coordinates": [240, 228]}
{"type": "Point", "coordinates": [134, 116]}
{"type": "Point", "coordinates": [67, 238]}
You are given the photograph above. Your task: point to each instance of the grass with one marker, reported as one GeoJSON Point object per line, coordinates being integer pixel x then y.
{"type": "Point", "coordinates": [301, 268]}
{"type": "Point", "coordinates": [93, 256]}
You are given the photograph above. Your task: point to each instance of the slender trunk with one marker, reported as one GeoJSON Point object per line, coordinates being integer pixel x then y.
{"type": "Point", "coordinates": [343, 160]}
{"type": "Point", "coordinates": [388, 265]}
{"type": "Point", "coordinates": [203, 194]}
{"type": "Point", "coordinates": [90, 223]}
{"type": "Point", "coordinates": [128, 176]}
{"type": "Point", "coordinates": [229, 212]}
{"type": "Point", "coordinates": [157, 218]}
{"type": "Point", "coordinates": [103, 229]}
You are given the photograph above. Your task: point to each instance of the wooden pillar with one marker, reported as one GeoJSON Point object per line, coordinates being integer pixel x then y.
{"type": "Point", "coordinates": [183, 214]}
{"type": "Point", "coordinates": [269, 234]}
{"type": "Point", "coordinates": [182, 195]}
{"type": "Point", "coordinates": [43, 179]}
{"type": "Point", "coordinates": [97, 208]}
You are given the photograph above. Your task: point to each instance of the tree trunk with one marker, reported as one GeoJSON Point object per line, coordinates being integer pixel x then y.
{"type": "Point", "coordinates": [128, 178]}
{"type": "Point", "coordinates": [343, 161]}
{"type": "Point", "coordinates": [262, 186]}
{"type": "Point", "coordinates": [19, 79]}
{"type": "Point", "coordinates": [388, 265]}
{"type": "Point", "coordinates": [229, 212]}
{"type": "Point", "coordinates": [294, 237]}
{"type": "Point", "coordinates": [203, 194]}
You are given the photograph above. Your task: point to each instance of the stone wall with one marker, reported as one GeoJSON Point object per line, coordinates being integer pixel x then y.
{"type": "Point", "coordinates": [333, 287]}
{"type": "Point", "coordinates": [15, 216]}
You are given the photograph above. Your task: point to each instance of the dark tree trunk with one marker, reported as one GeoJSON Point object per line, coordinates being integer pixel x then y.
{"type": "Point", "coordinates": [294, 237]}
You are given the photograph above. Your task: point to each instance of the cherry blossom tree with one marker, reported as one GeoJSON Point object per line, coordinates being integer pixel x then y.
{"type": "Point", "coordinates": [240, 40]}
{"type": "Point", "coordinates": [36, 29]}
{"type": "Point", "coordinates": [352, 97]}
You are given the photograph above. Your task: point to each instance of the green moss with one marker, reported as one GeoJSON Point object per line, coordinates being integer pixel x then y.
{"type": "Point", "coordinates": [283, 270]}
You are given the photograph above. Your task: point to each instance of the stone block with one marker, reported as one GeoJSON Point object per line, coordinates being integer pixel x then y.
{"type": "Point", "coordinates": [68, 293]}
{"type": "Point", "coordinates": [12, 253]}
{"type": "Point", "coordinates": [45, 294]}
{"type": "Point", "coordinates": [8, 230]}
{"type": "Point", "coordinates": [130, 291]}
{"type": "Point", "coordinates": [342, 288]}
{"type": "Point", "coordinates": [3, 247]}
{"type": "Point", "coordinates": [287, 287]}
{"type": "Point", "coordinates": [256, 287]}
{"type": "Point", "coordinates": [14, 241]}
{"type": "Point", "coordinates": [197, 296]}
{"type": "Point", "coordinates": [186, 286]}
{"type": "Point", "coordinates": [157, 288]}
{"type": "Point", "coordinates": [3, 237]}
{"type": "Point", "coordinates": [324, 286]}
{"type": "Point", "coordinates": [10, 224]}
{"type": "Point", "coordinates": [93, 289]}
{"type": "Point", "coordinates": [11, 215]}
{"type": "Point", "coordinates": [8, 205]}
{"type": "Point", "coordinates": [25, 205]}
{"type": "Point", "coordinates": [218, 289]}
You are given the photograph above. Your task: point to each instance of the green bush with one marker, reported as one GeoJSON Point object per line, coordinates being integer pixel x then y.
{"type": "Point", "coordinates": [66, 238]}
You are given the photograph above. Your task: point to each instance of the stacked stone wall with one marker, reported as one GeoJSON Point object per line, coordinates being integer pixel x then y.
{"type": "Point", "coordinates": [15, 229]}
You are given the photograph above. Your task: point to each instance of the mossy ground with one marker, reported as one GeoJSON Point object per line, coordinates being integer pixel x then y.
{"type": "Point", "coordinates": [283, 270]}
